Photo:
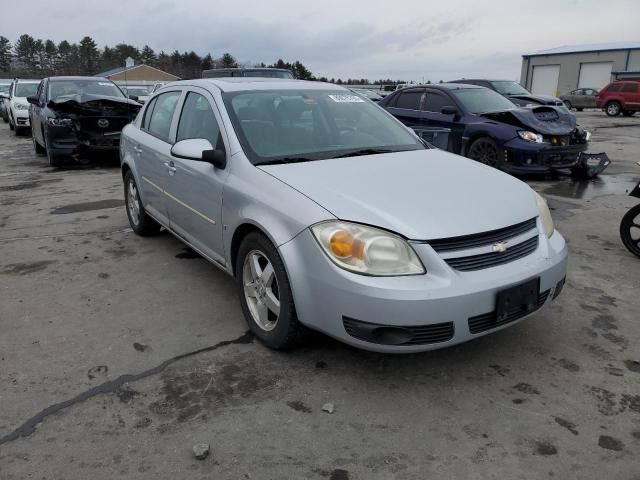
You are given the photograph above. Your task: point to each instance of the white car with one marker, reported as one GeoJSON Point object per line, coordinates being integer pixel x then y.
{"type": "Point", "coordinates": [18, 107]}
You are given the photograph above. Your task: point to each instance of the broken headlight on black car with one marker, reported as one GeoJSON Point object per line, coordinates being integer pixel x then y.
{"type": "Point", "coordinates": [530, 136]}
{"type": "Point", "coordinates": [60, 122]}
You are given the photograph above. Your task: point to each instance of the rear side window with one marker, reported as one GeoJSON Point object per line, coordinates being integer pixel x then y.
{"type": "Point", "coordinates": [409, 100]}
{"type": "Point", "coordinates": [197, 120]}
{"type": "Point", "coordinates": [614, 88]}
{"type": "Point", "coordinates": [435, 102]}
{"type": "Point", "coordinates": [630, 87]}
{"type": "Point", "coordinates": [147, 114]}
{"type": "Point", "coordinates": [162, 114]}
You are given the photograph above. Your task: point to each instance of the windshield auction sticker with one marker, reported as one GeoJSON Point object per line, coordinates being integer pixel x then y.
{"type": "Point", "coordinates": [346, 98]}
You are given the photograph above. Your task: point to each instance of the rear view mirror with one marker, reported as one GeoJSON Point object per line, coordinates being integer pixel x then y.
{"type": "Point", "coordinates": [448, 110]}
{"type": "Point", "coordinates": [34, 100]}
{"type": "Point", "coordinates": [199, 149]}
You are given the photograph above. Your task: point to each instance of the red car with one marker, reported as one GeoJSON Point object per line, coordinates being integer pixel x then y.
{"type": "Point", "coordinates": [619, 97]}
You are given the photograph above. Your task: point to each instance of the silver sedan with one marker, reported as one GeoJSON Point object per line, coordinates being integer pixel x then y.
{"type": "Point", "coordinates": [332, 216]}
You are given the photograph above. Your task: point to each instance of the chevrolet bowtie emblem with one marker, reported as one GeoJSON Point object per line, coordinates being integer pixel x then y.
{"type": "Point", "coordinates": [499, 247]}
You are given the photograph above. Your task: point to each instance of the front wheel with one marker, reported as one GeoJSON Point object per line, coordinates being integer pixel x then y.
{"type": "Point", "coordinates": [630, 230]}
{"type": "Point", "coordinates": [612, 109]}
{"type": "Point", "coordinates": [139, 219]}
{"type": "Point", "coordinates": [55, 160]}
{"type": "Point", "coordinates": [39, 149]}
{"type": "Point", "coordinates": [265, 294]}
{"type": "Point", "coordinates": [484, 150]}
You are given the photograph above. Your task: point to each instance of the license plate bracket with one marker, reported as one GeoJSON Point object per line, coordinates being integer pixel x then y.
{"type": "Point", "coordinates": [518, 300]}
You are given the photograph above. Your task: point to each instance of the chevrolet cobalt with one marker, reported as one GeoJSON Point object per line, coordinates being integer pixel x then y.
{"type": "Point", "coordinates": [333, 216]}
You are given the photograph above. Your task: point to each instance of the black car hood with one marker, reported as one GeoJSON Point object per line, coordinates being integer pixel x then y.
{"type": "Point", "coordinates": [543, 119]}
{"type": "Point", "coordinates": [538, 99]}
{"type": "Point", "coordinates": [95, 105]}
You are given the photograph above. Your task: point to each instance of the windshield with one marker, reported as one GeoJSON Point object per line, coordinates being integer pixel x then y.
{"type": "Point", "coordinates": [482, 100]}
{"type": "Point", "coordinates": [25, 89]}
{"type": "Point", "coordinates": [140, 91]}
{"type": "Point", "coordinates": [65, 88]}
{"type": "Point", "coordinates": [370, 94]}
{"type": "Point", "coordinates": [285, 125]}
{"type": "Point", "coordinates": [4, 87]}
{"type": "Point", "coordinates": [268, 73]}
{"type": "Point", "coordinates": [509, 88]}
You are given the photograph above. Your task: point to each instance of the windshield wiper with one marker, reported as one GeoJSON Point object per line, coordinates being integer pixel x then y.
{"type": "Point", "coordinates": [364, 151]}
{"type": "Point", "coordinates": [280, 161]}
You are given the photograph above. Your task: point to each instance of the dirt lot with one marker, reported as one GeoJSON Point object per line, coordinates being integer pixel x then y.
{"type": "Point", "coordinates": [119, 353]}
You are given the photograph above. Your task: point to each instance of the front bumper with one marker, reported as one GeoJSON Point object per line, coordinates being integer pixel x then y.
{"type": "Point", "coordinates": [526, 157]}
{"type": "Point", "coordinates": [21, 118]}
{"type": "Point", "coordinates": [330, 299]}
{"type": "Point", "coordinates": [68, 141]}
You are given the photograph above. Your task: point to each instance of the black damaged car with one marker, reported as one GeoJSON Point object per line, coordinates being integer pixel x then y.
{"type": "Point", "coordinates": [514, 92]}
{"type": "Point", "coordinates": [487, 127]}
{"type": "Point", "coordinates": [73, 116]}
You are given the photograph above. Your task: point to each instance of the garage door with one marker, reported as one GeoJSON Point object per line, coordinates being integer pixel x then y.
{"type": "Point", "coordinates": [545, 80]}
{"type": "Point", "coordinates": [595, 75]}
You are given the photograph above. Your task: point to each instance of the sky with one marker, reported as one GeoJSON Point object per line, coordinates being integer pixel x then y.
{"type": "Point", "coordinates": [415, 40]}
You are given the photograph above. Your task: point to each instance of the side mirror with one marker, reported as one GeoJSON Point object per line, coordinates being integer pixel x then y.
{"type": "Point", "coordinates": [448, 110]}
{"type": "Point", "coordinates": [34, 100]}
{"type": "Point", "coordinates": [201, 150]}
{"type": "Point", "coordinates": [133, 97]}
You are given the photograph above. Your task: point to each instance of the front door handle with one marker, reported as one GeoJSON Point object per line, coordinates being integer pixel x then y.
{"type": "Point", "coordinates": [170, 167]}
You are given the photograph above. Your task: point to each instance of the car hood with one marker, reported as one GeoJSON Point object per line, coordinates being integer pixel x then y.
{"type": "Point", "coordinates": [422, 194]}
{"type": "Point", "coordinates": [544, 119]}
{"type": "Point", "coordinates": [541, 99]}
{"type": "Point", "coordinates": [95, 105]}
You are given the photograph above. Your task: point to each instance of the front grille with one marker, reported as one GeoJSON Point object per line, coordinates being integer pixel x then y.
{"type": "Point", "coordinates": [558, 158]}
{"type": "Point", "coordinates": [398, 335]}
{"type": "Point", "coordinates": [486, 260]}
{"type": "Point", "coordinates": [481, 239]}
{"type": "Point", "coordinates": [90, 124]}
{"type": "Point", "coordinates": [487, 321]}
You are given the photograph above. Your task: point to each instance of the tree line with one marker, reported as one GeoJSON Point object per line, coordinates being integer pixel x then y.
{"type": "Point", "coordinates": [31, 57]}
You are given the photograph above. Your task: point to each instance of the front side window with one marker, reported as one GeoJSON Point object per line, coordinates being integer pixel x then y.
{"type": "Point", "coordinates": [482, 100]}
{"type": "Point", "coordinates": [283, 125]}
{"type": "Point", "coordinates": [197, 120]}
{"type": "Point", "coordinates": [162, 114]}
{"type": "Point", "coordinates": [436, 102]}
{"type": "Point", "coordinates": [61, 90]}
{"type": "Point", "coordinates": [25, 89]}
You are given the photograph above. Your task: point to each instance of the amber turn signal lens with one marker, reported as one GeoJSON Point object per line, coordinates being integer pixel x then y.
{"type": "Point", "coordinates": [344, 245]}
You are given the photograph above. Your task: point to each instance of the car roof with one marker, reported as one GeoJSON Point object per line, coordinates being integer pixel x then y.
{"type": "Point", "coordinates": [240, 84]}
{"type": "Point", "coordinates": [78, 77]}
{"type": "Point", "coordinates": [26, 80]}
{"type": "Point", "coordinates": [452, 86]}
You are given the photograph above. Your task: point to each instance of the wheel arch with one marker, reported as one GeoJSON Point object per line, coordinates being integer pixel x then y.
{"type": "Point", "coordinates": [239, 234]}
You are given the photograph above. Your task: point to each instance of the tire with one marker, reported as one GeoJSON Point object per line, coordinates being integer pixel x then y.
{"type": "Point", "coordinates": [39, 149]}
{"type": "Point", "coordinates": [55, 160]}
{"type": "Point", "coordinates": [263, 284]}
{"type": "Point", "coordinates": [612, 109]}
{"type": "Point", "coordinates": [10, 124]}
{"type": "Point", "coordinates": [485, 150]}
{"type": "Point", "coordinates": [579, 109]}
{"type": "Point", "coordinates": [627, 113]}
{"type": "Point", "coordinates": [567, 104]}
{"type": "Point", "coordinates": [139, 219]}
{"type": "Point", "coordinates": [630, 230]}
{"type": "Point", "coordinates": [19, 131]}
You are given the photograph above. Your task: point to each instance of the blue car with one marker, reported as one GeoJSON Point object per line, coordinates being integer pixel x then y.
{"type": "Point", "coordinates": [487, 127]}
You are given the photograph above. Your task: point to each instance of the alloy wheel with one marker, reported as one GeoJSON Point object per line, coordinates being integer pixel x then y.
{"type": "Point", "coordinates": [485, 152]}
{"type": "Point", "coordinates": [261, 290]}
{"type": "Point", "coordinates": [133, 202]}
{"type": "Point", "coordinates": [630, 230]}
{"type": "Point", "coordinates": [613, 109]}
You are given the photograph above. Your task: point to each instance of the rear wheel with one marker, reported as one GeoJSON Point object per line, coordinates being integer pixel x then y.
{"type": "Point", "coordinates": [612, 109]}
{"type": "Point", "coordinates": [630, 230]}
{"type": "Point", "coordinates": [484, 150]}
{"type": "Point", "coordinates": [139, 219]}
{"type": "Point", "coordinates": [265, 294]}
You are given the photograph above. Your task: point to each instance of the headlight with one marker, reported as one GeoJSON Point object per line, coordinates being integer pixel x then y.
{"type": "Point", "coordinates": [367, 250]}
{"type": "Point", "coordinates": [21, 106]}
{"type": "Point", "coordinates": [59, 122]}
{"type": "Point", "coordinates": [530, 136]}
{"type": "Point", "coordinates": [545, 214]}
